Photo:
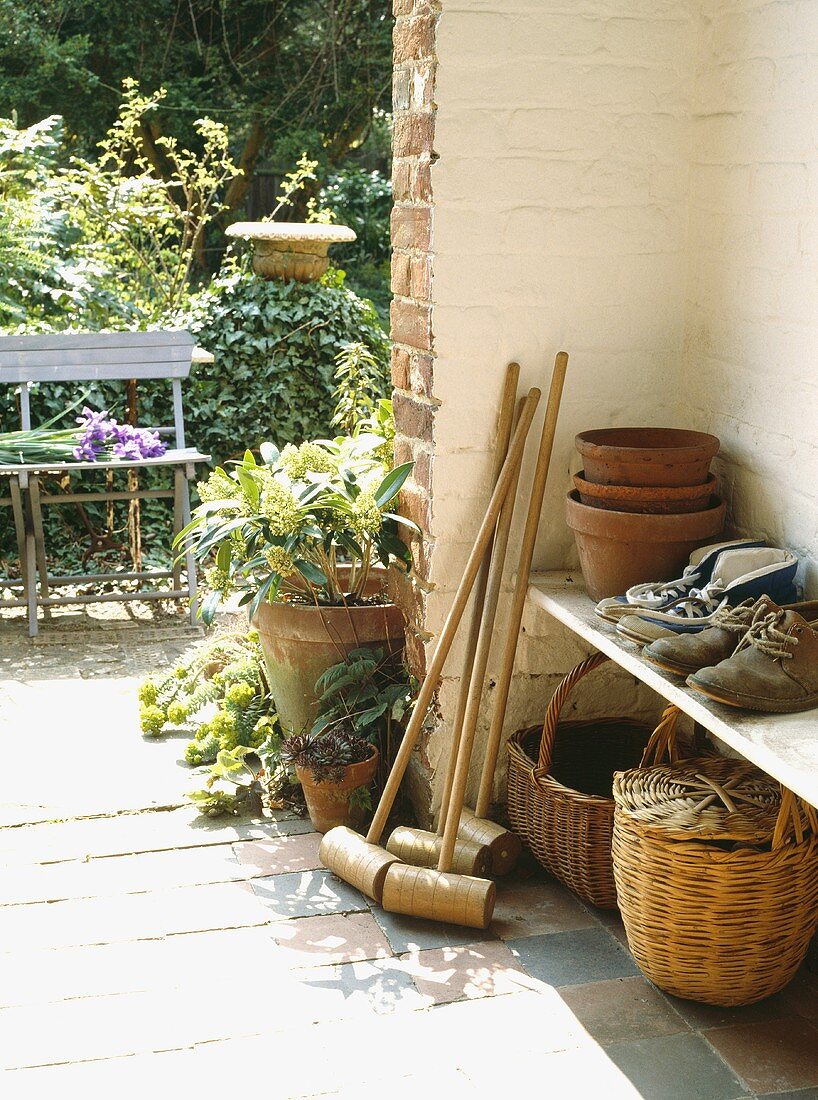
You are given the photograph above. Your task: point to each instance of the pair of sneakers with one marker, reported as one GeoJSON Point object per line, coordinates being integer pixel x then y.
{"type": "Point", "coordinates": [757, 656]}
{"type": "Point", "coordinates": [723, 575]}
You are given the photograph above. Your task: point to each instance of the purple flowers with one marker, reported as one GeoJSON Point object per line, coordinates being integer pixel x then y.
{"type": "Point", "coordinates": [102, 437]}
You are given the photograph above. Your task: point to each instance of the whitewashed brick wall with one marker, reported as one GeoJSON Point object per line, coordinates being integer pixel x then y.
{"type": "Point", "coordinates": [636, 183]}
{"type": "Point", "coordinates": [560, 222]}
{"type": "Point", "coordinates": [751, 347]}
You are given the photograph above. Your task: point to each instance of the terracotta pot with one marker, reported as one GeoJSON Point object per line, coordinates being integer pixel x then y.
{"type": "Point", "coordinates": [646, 456]}
{"type": "Point", "coordinates": [328, 803]}
{"type": "Point", "coordinates": [300, 642]}
{"type": "Point", "coordinates": [654, 500]}
{"type": "Point", "coordinates": [620, 549]}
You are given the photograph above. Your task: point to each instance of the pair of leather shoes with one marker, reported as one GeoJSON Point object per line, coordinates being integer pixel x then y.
{"type": "Point", "coordinates": [758, 656]}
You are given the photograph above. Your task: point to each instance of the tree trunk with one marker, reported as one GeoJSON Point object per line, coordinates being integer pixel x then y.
{"type": "Point", "coordinates": [240, 183]}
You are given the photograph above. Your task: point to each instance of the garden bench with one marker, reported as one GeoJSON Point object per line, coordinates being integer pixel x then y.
{"type": "Point", "coordinates": [87, 357]}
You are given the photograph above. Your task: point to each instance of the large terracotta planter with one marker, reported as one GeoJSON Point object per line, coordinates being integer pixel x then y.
{"type": "Point", "coordinates": [646, 456]}
{"type": "Point", "coordinates": [655, 499]}
{"type": "Point", "coordinates": [300, 642]}
{"type": "Point", "coordinates": [328, 803]}
{"type": "Point", "coordinates": [620, 549]}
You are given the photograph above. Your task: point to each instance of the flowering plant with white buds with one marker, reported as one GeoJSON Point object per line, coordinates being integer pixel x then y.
{"type": "Point", "coordinates": [306, 523]}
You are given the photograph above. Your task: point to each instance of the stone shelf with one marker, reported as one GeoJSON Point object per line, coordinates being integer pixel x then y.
{"type": "Point", "coordinates": [783, 745]}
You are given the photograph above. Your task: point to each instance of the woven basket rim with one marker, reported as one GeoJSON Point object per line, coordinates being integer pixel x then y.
{"type": "Point", "coordinates": [547, 782]}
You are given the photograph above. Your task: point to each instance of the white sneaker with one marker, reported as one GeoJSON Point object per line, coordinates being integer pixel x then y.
{"type": "Point", "coordinates": [738, 575]}
{"type": "Point", "coordinates": [652, 597]}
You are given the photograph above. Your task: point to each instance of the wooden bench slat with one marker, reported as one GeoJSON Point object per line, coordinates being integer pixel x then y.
{"type": "Point", "coordinates": [54, 341]}
{"type": "Point", "coordinates": [82, 357]}
{"type": "Point", "coordinates": [103, 371]}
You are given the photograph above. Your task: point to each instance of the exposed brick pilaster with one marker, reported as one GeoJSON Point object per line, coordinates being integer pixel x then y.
{"type": "Point", "coordinates": [412, 277]}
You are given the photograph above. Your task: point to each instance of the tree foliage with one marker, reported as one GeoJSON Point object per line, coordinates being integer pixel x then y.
{"type": "Point", "coordinates": [286, 75]}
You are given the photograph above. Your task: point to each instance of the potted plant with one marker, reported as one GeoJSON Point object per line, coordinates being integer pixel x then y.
{"type": "Point", "coordinates": [307, 534]}
{"type": "Point", "coordinates": [335, 768]}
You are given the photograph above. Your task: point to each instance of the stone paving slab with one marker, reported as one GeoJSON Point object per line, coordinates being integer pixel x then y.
{"type": "Point", "coordinates": [330, 939]}
{"type": "Point", "coordinates": [306, 894]}
{"type": "Point", "coordinates": [131, 833]}
{"type": "Point", "coordinates": [671, 1066]}
{"type": "Point", "coordinates": [158, 870]}
{"type": "Point", "coordinates": [31, 977]}
{"type": "Point", "coordinates": [479, 970]}
{"type": "Point", "coordinates": [131, 916]}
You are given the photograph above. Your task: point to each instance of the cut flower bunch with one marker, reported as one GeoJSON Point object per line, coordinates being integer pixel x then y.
{"type": "Point", "coordinates": [306, 524]}
{"type": "Point", "coordinates": [97, 437]}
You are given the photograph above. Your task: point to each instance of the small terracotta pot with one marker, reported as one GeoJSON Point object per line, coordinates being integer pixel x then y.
{"type": "Point", "coordinates": [646, 456]}
{"type": "Point", "coordinates": [653, 500]}
{"type": "Point", "coordinates": [620, 549]}
{"type": "Point", "coordinates": [328, 803]}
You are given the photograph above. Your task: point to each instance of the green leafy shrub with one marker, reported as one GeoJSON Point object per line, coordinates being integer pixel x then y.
{"type": "Point", "coordinates": [227, 674]}
{"type": "Point", "coordinates": [275, 345]}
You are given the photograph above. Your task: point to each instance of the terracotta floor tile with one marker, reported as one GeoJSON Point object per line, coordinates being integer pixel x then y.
{"type": "Point", "coordinates": [773, 1056]}
{"type": "Point", "coordinates": [622, 1009]}
{"type": "Point", "coordinates": [336, 938]}
{"type": "Point", "coordinates": [479, 970]}
{"type": "Point", "coordinates": [531, 908]}
{"type": "Point", "coordinates": [278, 855]}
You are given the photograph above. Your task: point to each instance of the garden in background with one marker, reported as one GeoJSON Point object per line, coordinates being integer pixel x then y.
{"type": "Point", "coordinates": [130, 140]}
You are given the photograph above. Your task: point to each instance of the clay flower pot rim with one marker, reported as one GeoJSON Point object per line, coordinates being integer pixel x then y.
{"type": "Point", "coordinates": [664, 444]}
{"type": "Point", "coordinates": [645, 492]}
{"type": "Point", "coordinates": [642, 526]}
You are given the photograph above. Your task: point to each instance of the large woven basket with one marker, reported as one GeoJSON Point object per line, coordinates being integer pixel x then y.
{"type": "Point", "coordinates": [559, 790]}
{"type": "Point", "coordinates": [717, 876]}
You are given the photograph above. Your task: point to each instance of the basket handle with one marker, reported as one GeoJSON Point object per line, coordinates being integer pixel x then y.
{"type": "Point", "coordinates": [552, 713]}
{"type": "Point", "coordinates": [662, 744]}
{"type": "Point", "coordinates": [795, 818]}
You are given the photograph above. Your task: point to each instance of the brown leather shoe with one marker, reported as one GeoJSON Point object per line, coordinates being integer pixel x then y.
{"type": "Point", "coordinates": [774, 668]}
{"type": "Point", "coordinates": [682, 654]}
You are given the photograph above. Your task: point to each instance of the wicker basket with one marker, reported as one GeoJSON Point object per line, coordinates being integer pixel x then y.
{"type": "Point", "coordinates": [559, 793]}
{"type": "Point", "coordinates": [717, 876]}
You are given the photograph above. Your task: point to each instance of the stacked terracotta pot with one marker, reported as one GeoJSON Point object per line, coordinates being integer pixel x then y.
{"type": "Point", "coordinates": [645, 500]}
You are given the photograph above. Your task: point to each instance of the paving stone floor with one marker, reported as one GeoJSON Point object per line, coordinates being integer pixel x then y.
{"type": "Point", "coordinates": [144, 950]}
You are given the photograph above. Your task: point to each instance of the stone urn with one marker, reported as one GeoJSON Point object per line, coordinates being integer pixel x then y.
{"type": "Point", "coordinates": [292, 251]}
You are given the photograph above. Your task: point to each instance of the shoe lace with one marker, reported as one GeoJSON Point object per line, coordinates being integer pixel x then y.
{"type": "Point", "coordinates": [738, 619]}
{"type": "Point", "coordinates": [666, 590]}
{"type": "Point", "coordinates": [766, 637]}
{"type": "Point", "coordinates": [699, 603]}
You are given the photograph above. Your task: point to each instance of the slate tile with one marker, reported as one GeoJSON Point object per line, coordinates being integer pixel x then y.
{"type": "Point", "coordinates": [774, 1056]}
{"type": "Point", "coordinates": [801, 996]}
{"type": "Point", "coordinates": [415, 934]}
{"type": "Point", "coordinates": [532, 908]}
{"type": "Point", "coordinates": [307, 893]}
{"type": "Point", "coordinates": [379, 987]}
{"type": "Point", "coordinates": [279, 855]}
{"type": "Point", "coordinates": [480, 970]}
{"type": "Point", "coordinates": [702, 1017]}
{"type": "Point", "coordinates": [573, 958]}
{"type": "Point", "coordinates": [331, 939]}
{"type": "Point", "coordinates": [622, 1009]}
{"type": "Point", "coordinates": [676, 1067]}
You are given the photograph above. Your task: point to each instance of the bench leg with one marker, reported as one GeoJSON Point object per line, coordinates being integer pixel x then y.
{"type": "Point", "coordinates": [26, 549]}
{"type": "Point", "coordinates": [181, 520]}
{"type": "Point", "coordinates": [39, 537]}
